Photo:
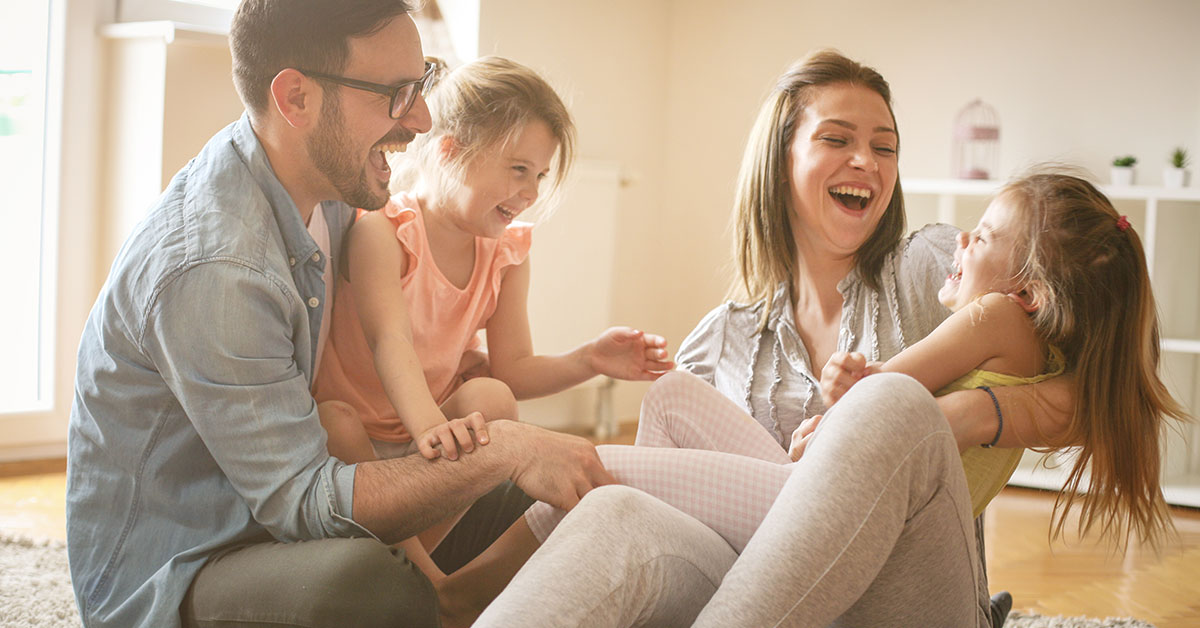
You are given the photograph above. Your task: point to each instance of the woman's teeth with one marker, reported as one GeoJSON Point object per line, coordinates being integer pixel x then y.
{"type": "Point", "coordinates": [508, 213]}
{"type": "Point", "coordinates": [851, 196]}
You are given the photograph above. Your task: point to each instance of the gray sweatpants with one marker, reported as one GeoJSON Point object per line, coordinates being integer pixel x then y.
{"type": "Point", "coordinates": [873, 527]}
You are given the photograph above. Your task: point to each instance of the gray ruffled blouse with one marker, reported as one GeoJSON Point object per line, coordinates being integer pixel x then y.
{"type": "Point", "coordinates": [769, 372]}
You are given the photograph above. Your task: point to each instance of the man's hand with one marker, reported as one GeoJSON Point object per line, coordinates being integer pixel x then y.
{"type": "Point", "coordinates": [555, 468]}
{"type": "Point", "coordinates": [453, 434]}
{"type": "Point", "coordinates": [626, 353]}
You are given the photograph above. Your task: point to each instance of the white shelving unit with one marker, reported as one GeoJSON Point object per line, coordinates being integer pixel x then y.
{"type": "Point", "coordinates": [1168, 221]}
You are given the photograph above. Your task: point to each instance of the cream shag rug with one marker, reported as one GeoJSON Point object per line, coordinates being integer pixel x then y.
{"type": "Point", "coordinates": [35, 591]}
{"type": "Point", "coordinates": [35, 585]}
{"type": "Point", "coordinates": [1017, 619]}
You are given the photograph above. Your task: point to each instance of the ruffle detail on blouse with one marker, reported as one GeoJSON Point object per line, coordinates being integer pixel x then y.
{"type": "Point", "coordinates": [512, 250]}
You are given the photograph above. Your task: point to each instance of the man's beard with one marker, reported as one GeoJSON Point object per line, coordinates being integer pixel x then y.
{"type": "Point", "coordinates": [334, 157]}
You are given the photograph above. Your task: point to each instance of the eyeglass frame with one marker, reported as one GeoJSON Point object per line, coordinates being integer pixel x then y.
{"type": "Point", "coordinates": [391, 91]}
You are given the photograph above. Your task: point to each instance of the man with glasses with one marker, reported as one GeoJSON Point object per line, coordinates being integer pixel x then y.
{"type": "Point", "coordinates": [200, 491]}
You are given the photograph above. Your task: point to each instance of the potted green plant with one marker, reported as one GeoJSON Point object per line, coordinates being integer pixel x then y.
{"type": "Point", "coordinates": [1122, 170]}
{"type": "Point", "coordinates": [1176, 176]}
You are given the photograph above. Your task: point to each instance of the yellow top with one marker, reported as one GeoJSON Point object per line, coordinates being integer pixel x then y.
{"type": "Point", "coordinates": [987, 469]}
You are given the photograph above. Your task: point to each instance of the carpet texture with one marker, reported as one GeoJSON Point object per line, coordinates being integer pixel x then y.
{"type": "Point", "coordinates": [35, 592]}
{"type": "Point", "coordinates": [1017, 619]}
{"type": "Point", "coordinates": [35, 585]}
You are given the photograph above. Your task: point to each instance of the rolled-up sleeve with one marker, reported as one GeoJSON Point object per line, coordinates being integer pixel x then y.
{"type": "Point", "coordinates": [225, 336]}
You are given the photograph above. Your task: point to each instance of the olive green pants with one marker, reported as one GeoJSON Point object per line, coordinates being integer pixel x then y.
{"type": "Point", "coordinates": [339, 582]}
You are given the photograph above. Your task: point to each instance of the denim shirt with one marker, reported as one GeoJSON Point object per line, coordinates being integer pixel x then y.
{"type": "Point", "coordinates": [767, 370]}
{"type": "Point", "coordinates": [192, 427]}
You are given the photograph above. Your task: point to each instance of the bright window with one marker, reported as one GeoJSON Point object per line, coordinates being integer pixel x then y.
{"type": "Point", "coordinates": [27, 317]}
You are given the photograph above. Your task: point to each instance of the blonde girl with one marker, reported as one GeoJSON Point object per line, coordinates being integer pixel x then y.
{"type": "Point", "coordinates": [446, 258]}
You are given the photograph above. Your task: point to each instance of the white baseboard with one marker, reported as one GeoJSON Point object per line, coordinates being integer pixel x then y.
{"type": "Point", "coordinates": [42, 451]}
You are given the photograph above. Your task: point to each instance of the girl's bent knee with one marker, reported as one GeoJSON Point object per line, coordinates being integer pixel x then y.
{"type": "Point", "coordinates": [488, 396]}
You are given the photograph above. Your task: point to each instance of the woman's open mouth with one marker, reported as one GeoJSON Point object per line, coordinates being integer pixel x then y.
{"type": "Point", "coordinates": [851, 197]}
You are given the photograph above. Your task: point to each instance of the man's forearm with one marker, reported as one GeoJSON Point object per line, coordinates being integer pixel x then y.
{"type": "Point", "coordinates": [400, 497]}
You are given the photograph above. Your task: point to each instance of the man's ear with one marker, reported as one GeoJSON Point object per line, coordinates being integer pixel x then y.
{"type": "Point", "coordinates": [296, 97]}
{"type": "Point", "coordinates": [1032, 298]}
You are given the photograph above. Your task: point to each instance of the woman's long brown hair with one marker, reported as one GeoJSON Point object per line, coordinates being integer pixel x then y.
{"type": "Point", "coordinates": [765, 245]}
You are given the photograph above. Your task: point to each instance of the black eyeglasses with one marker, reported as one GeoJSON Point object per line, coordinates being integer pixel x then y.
{"type": "Point", "coordinates": [402, 96]}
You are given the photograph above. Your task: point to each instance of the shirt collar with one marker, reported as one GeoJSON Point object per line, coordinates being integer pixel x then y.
{"type": "Point", "coordinates": [296, 239]}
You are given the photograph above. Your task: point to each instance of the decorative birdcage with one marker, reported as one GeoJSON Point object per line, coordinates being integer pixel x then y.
{"type": "Point", "coordinates": [976, 142]}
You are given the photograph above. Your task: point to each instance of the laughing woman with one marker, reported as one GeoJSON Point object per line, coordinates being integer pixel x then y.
{"type": "Point", "coordinates": [873, 526]}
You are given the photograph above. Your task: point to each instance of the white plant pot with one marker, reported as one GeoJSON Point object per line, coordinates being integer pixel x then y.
{"type": "Point", "coordinates": [1122, 175]}
{"type": "Point", "coordinates": [1175, 177]}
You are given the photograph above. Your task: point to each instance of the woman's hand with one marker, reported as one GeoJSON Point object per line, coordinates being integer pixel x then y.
{"type": "Point", "coordinates": [841, 372]}
{"type": "Point", "coordinates": [453, 434]}
{"type": "Point", "coordinates": [627, 353]}
{"type": "Point", "coordinates": [803, 436]}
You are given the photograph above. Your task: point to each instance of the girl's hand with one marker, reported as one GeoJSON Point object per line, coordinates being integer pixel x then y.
{"type": "Point", "coordinates": [803, 436]}
{"type": "Point", "coordinates": [841, 372]}
{"type": "Point", "coordinates": [626, 353]}
{"type": "Point", "coordinates": [453, 434]}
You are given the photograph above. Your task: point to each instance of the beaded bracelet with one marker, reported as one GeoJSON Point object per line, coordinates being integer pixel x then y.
{"type": "Point", "coordinates": [999, 416]}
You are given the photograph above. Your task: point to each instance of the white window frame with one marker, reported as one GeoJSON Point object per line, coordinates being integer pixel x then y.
{"type": "Point", "coordinates": [197, 12]}
{"type": "Point", "coordinates": [69, 251]}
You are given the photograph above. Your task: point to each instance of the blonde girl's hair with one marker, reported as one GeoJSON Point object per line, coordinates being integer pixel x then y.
{"type": "Point", "coordinates": [762, 208]}
{"type": "Point", "coordinates": [1085, 268]}
{"type": "Point", "coordinates": [482, 106]}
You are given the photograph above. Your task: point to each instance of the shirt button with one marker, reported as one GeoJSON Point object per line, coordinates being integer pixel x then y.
{"type": "Point", "coordinates": [313, 301]}
{"type": "Point", "coordinates": [291, 261]}
{"type": "Point", "coordinates": [316, 257]}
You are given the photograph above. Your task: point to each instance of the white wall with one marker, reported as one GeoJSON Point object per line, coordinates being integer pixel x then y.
{"type": "Point", "coordinates": [1073, 80]}
{"type": "Point", "coordinates": [670, 88]}
{"type": "Point", "coordinates": [607, 60]}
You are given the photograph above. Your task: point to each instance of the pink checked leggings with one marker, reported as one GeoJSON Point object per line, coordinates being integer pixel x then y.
{"type": "Point", "coordinates": [699, 452]}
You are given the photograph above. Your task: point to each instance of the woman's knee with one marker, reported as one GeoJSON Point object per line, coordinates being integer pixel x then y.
{"type": "Point", "coordinates": [488, 396]}
{"type": "Point", "coordinates": [667, 390]}
{"type": "Point", "coordinates": [893, 400]}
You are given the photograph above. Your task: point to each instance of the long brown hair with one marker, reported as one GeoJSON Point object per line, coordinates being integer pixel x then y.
{"type": "Point", "coordinates": [766, 249]}
{"type": "Point", "coordinates": [1086, 270]}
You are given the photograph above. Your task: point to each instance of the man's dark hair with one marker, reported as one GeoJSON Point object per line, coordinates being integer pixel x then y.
{"type": "Point", "coordinates": [268, 36]}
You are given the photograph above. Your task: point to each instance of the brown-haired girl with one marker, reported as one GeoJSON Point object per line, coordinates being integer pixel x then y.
{"type": "Point", "coordinates": [1052, 278]}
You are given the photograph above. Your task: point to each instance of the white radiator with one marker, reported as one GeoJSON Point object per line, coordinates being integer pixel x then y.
{"type": "Point", "coordinates": [571, 288]}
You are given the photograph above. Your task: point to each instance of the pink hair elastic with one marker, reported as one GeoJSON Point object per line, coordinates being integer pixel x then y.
{"type": "Point", "coordinates": [1123, 223]}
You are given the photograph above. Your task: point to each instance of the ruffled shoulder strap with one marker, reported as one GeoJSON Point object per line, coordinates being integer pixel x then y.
{"type": "Point", "coordinates": [514, 245]}
{"type": "Point", "coordinates": [404, 211]}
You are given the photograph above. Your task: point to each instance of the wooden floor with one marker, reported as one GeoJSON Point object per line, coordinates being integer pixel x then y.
{"type": "Point", "coordinates": [1077, 578]}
